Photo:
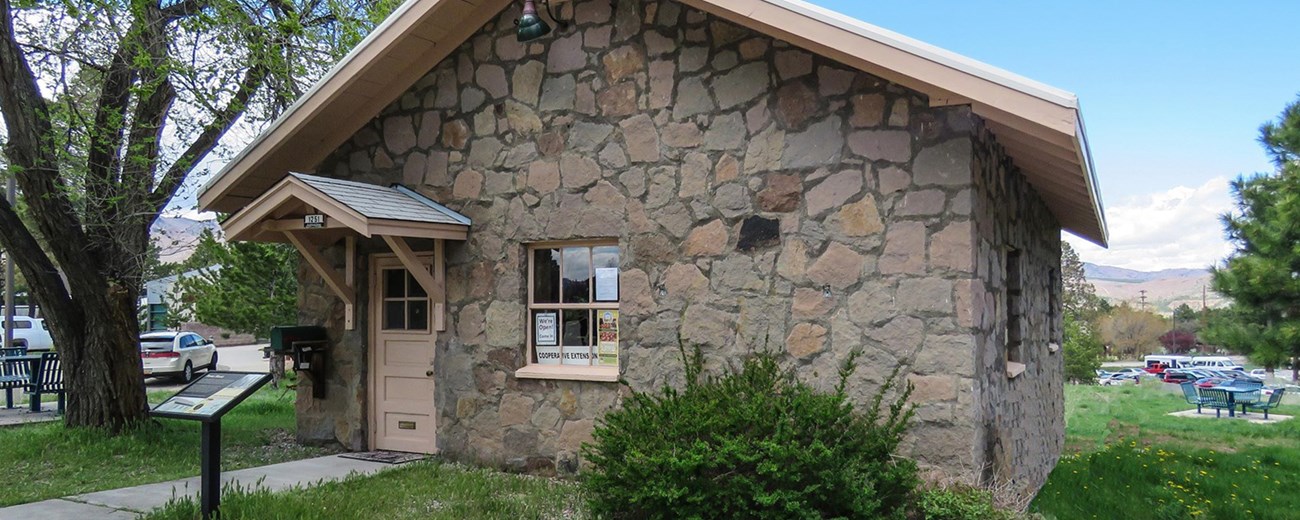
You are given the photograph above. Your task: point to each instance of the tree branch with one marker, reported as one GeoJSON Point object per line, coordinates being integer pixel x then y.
{"type": "Point", "coordinates": [207, 140]}
{"type": "Point", "coordinates": [31, 152]}
{"type": "Point", "coordinates": [42, 276]}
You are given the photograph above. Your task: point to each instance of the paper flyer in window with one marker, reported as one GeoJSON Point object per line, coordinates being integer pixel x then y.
{"type": "Point", "coordinates": [606, 284]}
{"type": "Point", "coordinates": [546, 337]}
{"type": "Point", "coordinates": [607, 338]}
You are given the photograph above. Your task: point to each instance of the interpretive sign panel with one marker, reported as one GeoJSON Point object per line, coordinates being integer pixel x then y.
{"type": "Point", "coordinates": [211, 395]}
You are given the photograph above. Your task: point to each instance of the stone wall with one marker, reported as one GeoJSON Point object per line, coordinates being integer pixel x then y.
{"type": "Point", "coordinates": [762, 197]}
{"type": "Point", "coordinates": [1022, 422]}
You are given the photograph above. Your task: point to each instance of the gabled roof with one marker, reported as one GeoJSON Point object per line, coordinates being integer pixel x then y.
{"type": "Point", "coordinates": [395, 203]}
{"type": "Point", "coordinates": [348, 207]}
{"type": "Point", "coordinates": [1041, 127]}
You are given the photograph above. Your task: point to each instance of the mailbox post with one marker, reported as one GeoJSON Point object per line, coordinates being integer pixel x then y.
{"type": "Point", "coordinates": [206, 400]}
{"type": "Point", "coordinates": [306, 344]}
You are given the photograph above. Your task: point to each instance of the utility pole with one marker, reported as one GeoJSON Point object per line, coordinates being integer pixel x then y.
{"type": "Point", "coordinates": [11, 193]}
{"type": "Point", "coordinates": [1203, 299]}
{"type": "Point", "coordinates": [1143, 299]}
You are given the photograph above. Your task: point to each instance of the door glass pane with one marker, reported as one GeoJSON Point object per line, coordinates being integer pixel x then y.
{"type": "Point", "coordinates": [413, 288]}
{"type": "Point", "coordinates": [394, 283]}
{"type": "Point", "coordinates": [577, 275]}
{"type": "Point", "coordinates": [546, 276]}
{"type": "Point", "coordinates": [394, 315]}
{"type": "Point", "coordinates": [417, 315]}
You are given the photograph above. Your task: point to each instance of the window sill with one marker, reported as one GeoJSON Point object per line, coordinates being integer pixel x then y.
{"type": "Point", "coordinates": [568, 372]}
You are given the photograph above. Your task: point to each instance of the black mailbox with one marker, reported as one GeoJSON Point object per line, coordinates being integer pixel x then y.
{"type": "Point", "coordinates": [306, 345]}
{"type": "Point", "coordinates": [283, 337]}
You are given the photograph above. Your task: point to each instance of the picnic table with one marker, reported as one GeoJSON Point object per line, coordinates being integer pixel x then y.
{"type": "Point", "coordinates": [1232, 393]}
{"type": "Point", "coordinates": [34, 382]}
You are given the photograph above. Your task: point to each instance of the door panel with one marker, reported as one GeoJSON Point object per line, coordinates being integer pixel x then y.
{"type": "Point", "coordinates": [403, 417]}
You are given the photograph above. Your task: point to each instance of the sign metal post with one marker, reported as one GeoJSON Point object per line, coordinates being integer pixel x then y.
{"type": "Point", "coordinates": [207, 399]}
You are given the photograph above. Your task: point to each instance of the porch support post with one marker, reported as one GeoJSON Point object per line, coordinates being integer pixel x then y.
{"type": "Point", "coordinates": [431, 285]}
{"type": "Point", "coordinates": [335, 282]}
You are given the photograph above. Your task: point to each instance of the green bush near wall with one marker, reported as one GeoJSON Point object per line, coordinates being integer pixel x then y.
{"type": "Point", "coordinates": [754, 443]}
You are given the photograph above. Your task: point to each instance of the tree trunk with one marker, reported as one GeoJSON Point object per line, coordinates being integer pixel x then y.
{"type": "Point", "coordinates": [102, 368]}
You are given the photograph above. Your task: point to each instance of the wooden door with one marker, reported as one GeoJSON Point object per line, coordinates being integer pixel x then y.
{"type": "Point", "coordinates": [402, 412]}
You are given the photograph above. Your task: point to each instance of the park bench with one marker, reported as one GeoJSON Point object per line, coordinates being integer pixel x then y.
{"type": "Point", "coordinates": [48, 378]}
{"type": "Point", "coordinates": [1272, 402]}
{"type": "Point", "coordinates": [1217, 399]}
{"type": "Point", "coordinates": [13, 375]}
{"type": "Point", "coordinates": [1189, 393]}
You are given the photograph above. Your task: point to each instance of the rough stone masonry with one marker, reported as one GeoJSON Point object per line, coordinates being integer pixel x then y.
{"type": "Point", "coordinates": [763, 197]}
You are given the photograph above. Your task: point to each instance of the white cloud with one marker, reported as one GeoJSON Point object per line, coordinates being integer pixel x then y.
{"type": "Point", "coordinates": [1178, 228]}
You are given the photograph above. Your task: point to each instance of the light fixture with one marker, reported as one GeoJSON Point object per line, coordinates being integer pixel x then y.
{"type": "Point", "coordinates": [531, 26]}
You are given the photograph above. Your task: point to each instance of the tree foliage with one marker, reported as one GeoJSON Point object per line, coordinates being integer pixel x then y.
{"type": "Point", "coordinates": [1129, 333]}
{"type": "Point", "coordinates": [1262, 276]}
{"type": "Point", "coordinates": [1082, 351]}
{"type": "Point", "coordinates": [1079, 298]}
{"type": "Point", "coordinates": [246, 287]}
{"type": "Point", "coordinates": [108, 105]}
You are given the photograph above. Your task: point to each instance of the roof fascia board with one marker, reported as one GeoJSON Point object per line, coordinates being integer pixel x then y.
{"type": "Point", "coordinates": [398, 23]}
{"type": "Point", "coordinates": [246, 221]}
{"type": "Point", "coordinates": [930, 52]}
{"type": "Point", "coordinates": [929, 72]}
{"type": "Point", "coordinates": [1090, 176]}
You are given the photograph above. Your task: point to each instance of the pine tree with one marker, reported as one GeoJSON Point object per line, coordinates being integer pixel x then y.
{"type": "Point", "coordinates": [1262, 276]}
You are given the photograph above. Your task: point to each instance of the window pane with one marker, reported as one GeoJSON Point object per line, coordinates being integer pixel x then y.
{"type": "Point", "coordinates": [394, 315]}
{"type": "Point", "coordinates": [546, 337]}
{"type": "Point", "coordinates": [577, 337]}
{"type": "Point", "coordinates": [417, 315]}
{"type": "Point", "coordinates": [546, 276]}
{"type": "Point", "coordinates": [577, 275]}
{"type": "Point", "coordinates": [394, 283]}
{"type": "Point", "coordinates": [577, 328]}
{"type": "Point", "coordinates": [605, 256]}
{"type": "Point", "coordinates": [605, 261]}
{"type": "Point", "coordinates": [413, 288]}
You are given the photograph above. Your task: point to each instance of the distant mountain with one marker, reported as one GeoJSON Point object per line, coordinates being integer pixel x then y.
{"type": "Point", "coordinates": [176, 236]}
{"type": "Point", "coordinates": [1119, 274]}
{"type": "Point", "coordinates": [1164, 290]}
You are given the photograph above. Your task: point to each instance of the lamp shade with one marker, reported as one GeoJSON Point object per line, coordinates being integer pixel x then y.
{"type": "Point", "coordinates": [531, 26]}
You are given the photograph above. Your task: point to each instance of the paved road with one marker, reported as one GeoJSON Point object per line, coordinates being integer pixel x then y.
{"type": "Point", "coordinates": [244, 358]}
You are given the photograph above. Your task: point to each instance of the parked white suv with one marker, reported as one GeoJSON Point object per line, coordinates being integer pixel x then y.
{"type": "Point", "coordinates": [176, 354]}
{"type": "Point", "coordinates": [31, 333]}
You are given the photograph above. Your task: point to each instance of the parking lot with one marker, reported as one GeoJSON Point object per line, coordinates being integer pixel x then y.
{"type": "Point", "coordinates": [244, 358]}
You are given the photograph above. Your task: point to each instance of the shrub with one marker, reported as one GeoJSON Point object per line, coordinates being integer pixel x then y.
{"type": "Point", "coordinates": [959, 503]}
{"type": "Point", "coordinates": [750, 444]}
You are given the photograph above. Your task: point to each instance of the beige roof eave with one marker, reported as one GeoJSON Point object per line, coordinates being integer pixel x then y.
{"type": "Point", "coordinates": [1040, 126]}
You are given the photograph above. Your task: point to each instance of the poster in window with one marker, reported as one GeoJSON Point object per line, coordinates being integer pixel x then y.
{"type": "Point", "coordinates": [607, 338]}
{"type": "Point", "coordinates": [546, 337]}
{"type": "Point", "coordinates": [607, 284]}
{"type": "Point", "coordinates": [548, 327]}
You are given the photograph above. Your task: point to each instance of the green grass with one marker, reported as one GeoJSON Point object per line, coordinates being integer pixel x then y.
{"type": "Point", "coordinates": [1126, 458]}
{"type": "Point", "coordinates": [424, 490]}
{"type": "Point", "coordinates": [43, 461]}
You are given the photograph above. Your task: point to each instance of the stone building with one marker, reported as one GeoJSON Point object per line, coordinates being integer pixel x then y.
{"type": "Point", "coordinates": [496, 233]}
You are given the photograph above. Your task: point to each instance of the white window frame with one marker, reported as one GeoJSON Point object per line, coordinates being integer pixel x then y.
{"type": "Point", "coordinates": [533, 370]}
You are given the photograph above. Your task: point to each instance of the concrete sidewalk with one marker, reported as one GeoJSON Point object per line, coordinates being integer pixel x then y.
{"type": "Point", "coordinates": [129, 503]}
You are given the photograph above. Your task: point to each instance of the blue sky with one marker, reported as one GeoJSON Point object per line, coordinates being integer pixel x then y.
{"type": "Point", "coordinates": [1172, 93]}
